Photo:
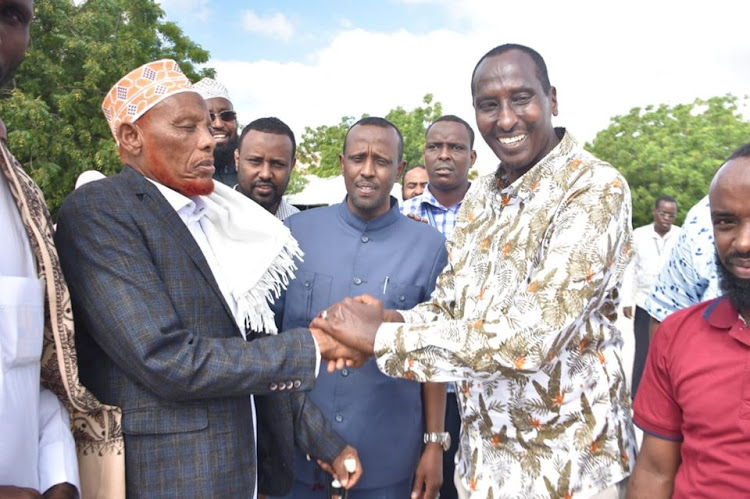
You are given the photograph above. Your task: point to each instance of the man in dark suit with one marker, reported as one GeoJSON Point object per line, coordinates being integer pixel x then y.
{"type": "Point", "coordinates": [167, 275]}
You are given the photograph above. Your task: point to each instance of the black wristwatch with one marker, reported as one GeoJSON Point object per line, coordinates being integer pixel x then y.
{"type": "Point", "coordinates": [444, 439]}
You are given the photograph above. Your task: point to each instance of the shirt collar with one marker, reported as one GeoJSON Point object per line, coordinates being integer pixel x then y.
{"type": "Point", "coordinates": [189, 209]}
{"type": "Point", "coordinates": [526, 184]}
{"type": "Point", "coordinates": [721, 314]}
{"type": "Point", "coordinates": [384, 220]}
{"type": "Point", "coordinates": [428, 198]}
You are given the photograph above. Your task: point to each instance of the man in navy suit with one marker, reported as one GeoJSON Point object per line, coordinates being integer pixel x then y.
{"type": "Point", "coordinates": [167, 275]}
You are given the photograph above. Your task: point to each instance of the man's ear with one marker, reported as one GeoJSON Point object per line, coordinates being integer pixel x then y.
{"type": "Point", "coordinates": [130, 138]}
{"type": "Point", "coordinates": [237, 158]}
{"type": "Point", "coordinates": [292, 165]}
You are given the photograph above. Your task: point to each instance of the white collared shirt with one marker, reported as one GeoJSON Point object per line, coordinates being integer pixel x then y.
{"type": "Point", "coordinates": [36, 446]}
{"type": "Point", "coordinates": [650, 252]}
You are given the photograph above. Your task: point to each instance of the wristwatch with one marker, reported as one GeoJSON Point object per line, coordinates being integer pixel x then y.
{"type": "Point", "coordinates": [444, 439]}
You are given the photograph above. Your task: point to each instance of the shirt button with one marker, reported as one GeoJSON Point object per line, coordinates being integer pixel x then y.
{"type": "Point", "coordinates": [357, 281]}
{"type": "Point", "coordinates": [345, 372]}
{"type": "Point", "coordinates": [365, 239]}
{"type": "Point", "coordinates": [339, 418]}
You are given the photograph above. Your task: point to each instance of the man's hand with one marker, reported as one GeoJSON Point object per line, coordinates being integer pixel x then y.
{"type": "Point", "coordinates": [416, 218]}
{"type": "Point", "coordinates": [339, 469]}
{"type": "Point", "coordinates": [353, 321]}
{"type": "Point", "coordinates": [11, 492]}
{"type": "Point", "coordinates": [429, 476]}
{"type": "Point", "coordinates": [627, 312]}
{"type": "Point", "coordinates": [337, 354]}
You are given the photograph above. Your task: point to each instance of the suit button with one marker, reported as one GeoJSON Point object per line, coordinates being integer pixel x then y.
{"type": "Point", "coordinates": [339, 418]}
{"type": "Point", "coordinates": [365, 239]}
{"type": "Point", "coordinates": [289, 385]}
{"type": "Point", "coordinates": [273, 387]}
{"type": "Point", "coordinates": [357, 281]}
{"type": "Point", "coordinates": [401, 298]}
{"type": "Point", "coordinates": [345, 372]}
{"type": "Point", "coordinates": [297, 383]}
{"type": "Point", "coordinates": [307, 284]}
{"type": "Point", "coordinates": [282, 386]}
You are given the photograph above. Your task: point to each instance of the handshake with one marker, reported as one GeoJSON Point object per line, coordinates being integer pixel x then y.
{"type": "Point", "coordinates": [346, 330]}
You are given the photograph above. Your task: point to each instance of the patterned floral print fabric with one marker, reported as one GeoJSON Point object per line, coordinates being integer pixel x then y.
{"type": "Point", "coordinates": [523, 318]}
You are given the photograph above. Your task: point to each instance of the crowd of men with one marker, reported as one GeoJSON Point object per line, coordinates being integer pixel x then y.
{"type": "Point", "coordinates": [186, 332]}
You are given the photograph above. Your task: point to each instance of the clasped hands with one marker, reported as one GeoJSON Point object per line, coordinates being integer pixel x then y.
{"type": "Point", "coordinates": [345, 332]}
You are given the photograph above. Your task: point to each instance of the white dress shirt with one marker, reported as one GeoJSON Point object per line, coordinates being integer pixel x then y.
{"type": "Point", "coordinates": [650, 252]}
{"type": "Point", "coordinates": [37, 449]}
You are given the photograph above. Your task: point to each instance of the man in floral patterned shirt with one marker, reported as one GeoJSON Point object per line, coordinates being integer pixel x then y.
{"type": "Point", "coordinates": [523, 316]}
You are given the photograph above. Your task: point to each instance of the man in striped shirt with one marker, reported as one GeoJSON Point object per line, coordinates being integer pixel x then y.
{"type": "Point", "coordinates": [448, 155]}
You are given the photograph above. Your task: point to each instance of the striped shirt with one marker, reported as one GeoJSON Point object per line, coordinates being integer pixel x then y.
{"type": "Point", "coordinates": [426, 206]}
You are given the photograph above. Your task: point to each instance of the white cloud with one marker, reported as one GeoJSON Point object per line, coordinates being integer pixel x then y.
{"type": "Point", "coordinates": [603, 59]}
{"type": "Point", "coordinates": [272, 26]}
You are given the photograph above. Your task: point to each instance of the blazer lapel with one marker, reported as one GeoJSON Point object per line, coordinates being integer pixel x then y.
{"type": "Point", "coordinates": [163, 212]}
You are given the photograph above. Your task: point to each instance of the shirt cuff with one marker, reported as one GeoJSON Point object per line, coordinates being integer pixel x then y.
{"type": "Point", "coordinates": [317, 356]}
{"type": "Point", "coordinates": [58, 462]}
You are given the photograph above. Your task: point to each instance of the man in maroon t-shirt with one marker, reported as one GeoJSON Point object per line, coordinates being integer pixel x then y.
{"type": "Point", "coordinates": [693, 403]}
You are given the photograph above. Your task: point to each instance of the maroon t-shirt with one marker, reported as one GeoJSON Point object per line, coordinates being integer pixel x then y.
{"type": "Point", "coordinates": [696, 389]}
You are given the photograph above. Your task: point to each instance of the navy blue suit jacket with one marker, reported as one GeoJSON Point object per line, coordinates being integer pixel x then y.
{"type": "Point", "coordinates": [156, 337]}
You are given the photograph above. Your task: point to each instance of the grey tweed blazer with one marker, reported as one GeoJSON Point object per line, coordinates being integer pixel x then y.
{"type": "Point", "coordinates": [155, 337]}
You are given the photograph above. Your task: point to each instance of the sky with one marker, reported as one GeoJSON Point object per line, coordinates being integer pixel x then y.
{"type": "Point", "coordinates": [310, 62]}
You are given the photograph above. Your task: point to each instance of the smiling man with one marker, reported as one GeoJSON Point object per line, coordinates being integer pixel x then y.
{"type": "Point", "coordinates": [265, 159]}
{"type": "Point", "coordinates": [693, 403]}
{"type": "Point", "coordinates": [223, 128]}
{"type": "Point", "coordinates": [522, 318]}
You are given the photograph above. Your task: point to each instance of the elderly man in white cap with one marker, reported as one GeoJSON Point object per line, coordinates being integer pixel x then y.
{"type": "Point", "coordinates": [224, 126]}
{"type": "Point", "coordinates": [157, 262]}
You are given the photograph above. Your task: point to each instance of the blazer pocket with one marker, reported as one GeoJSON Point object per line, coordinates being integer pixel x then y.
{"type": "Point", "coordinates": [162, 420]}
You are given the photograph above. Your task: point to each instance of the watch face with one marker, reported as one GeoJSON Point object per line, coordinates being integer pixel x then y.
{"type": "Point", "coordinates": [446, 441]}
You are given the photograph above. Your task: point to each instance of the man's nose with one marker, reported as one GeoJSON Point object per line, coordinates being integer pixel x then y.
{"type": "Point", "coordinates": [506, 117]}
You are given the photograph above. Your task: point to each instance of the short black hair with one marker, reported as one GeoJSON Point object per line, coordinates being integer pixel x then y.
{"type": "Point", "coordinates": [741, 152]}
{"type": "Point", "coordinates": [383, 123]}
{"type": "Point", "coordinates": [454, 119]}
{"type": "Point", "coordinates": [270, 125]}
{"type": "Point", "coordinates": [541, 66]}
{"type": "Point", "coordinates": [664, 199]}
{"type": "Point", "coordinates": [410, 168]}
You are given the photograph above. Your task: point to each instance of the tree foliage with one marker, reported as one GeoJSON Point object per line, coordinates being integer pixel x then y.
{"type": "Point", "coordinates": [320, 147]}
{"type": "Point", "coordinates": [54, 118]}
{"type": "Point", "coordinates": [673, 150]}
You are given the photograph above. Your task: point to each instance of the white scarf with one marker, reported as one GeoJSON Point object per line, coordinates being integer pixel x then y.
{"type": "Point", "coordinates": [257, 248]}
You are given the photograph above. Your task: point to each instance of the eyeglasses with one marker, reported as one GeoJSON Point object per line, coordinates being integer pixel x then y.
{"type": "Point", "coordinates": [224, 115]}
{"type": "Point", "coordinates": [670, 216]}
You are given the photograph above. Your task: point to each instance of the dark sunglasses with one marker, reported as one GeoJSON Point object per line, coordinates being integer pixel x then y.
{"type": "Point", "coordinates": [224, 115]}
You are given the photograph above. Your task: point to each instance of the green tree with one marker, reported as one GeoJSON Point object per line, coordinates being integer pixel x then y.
{"type": "Point", "coordinates": [673, 150]}
{"type": "Point", "coordinates": [53, 112]}
{"type": "Point", "coordinates": [320, 147]}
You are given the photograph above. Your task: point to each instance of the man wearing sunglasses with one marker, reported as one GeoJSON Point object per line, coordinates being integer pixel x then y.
{"type": "Point", "coordinates": [224, 126]}
{"type": "Point", "coordinates": [652, 245]}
